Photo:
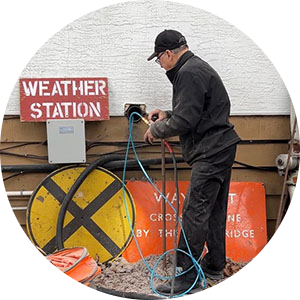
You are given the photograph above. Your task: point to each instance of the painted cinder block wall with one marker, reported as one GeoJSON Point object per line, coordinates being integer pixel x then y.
{"type": "Point", "coordinates": [115, 41]}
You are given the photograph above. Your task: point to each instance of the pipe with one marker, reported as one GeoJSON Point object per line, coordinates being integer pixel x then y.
{"type": "Point", "coordinates": [41, 168]}
{"type": "Point", "coordinates": [163, 203]}
{"type": "Point", "coordinates": [19, 208]}
{"type": "Point", "coordinates": [176, 217]}
{"type": "Point", "coordinates": [137, 110]}
{"type": "Point", "coordinates": [115, 165]}
{"type": "Point", "coordinates": [19, 193]}
{"type": "Point", "coordinates": [110, 165]}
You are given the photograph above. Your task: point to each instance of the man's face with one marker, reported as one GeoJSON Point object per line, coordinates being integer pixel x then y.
{"type": "Point", "coordinates": [166, 60]}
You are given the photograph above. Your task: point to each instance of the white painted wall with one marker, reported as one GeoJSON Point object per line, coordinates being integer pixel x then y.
{"type": "Point", "coordinates": [115, 42]}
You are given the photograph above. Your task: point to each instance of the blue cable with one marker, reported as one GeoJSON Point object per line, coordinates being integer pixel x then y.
{"type": "Point", "coordinates": [200, 274]}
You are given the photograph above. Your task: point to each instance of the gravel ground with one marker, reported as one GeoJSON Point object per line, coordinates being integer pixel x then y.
{"type": "Point", "coordinates": [125, 279]}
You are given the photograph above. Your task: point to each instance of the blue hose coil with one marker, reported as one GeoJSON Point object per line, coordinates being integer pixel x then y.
{"type": "Point", "coordinates": [196, 265]}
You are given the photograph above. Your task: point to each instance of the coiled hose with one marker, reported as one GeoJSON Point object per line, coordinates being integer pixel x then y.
{"type": "Point", "coordinates": [196, 265]}
{"type": "Point", "coordinates": [68, 197]}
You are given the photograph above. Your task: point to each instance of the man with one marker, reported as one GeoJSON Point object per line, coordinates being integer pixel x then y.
{"type": "Point", "coordinates": [199, 117]}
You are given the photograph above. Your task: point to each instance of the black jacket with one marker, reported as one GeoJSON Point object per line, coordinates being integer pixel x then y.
{"type": "Point", "coordinates": [200, 112]}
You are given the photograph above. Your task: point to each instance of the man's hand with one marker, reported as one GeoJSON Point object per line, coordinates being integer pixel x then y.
{"type": "Point", "coordinates": [148, 137]}
{"type": "Point", "coordinates": [160, 113]}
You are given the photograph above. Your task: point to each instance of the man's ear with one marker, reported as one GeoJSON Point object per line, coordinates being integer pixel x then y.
{"type": "Point", "coordinates": [169, 53]}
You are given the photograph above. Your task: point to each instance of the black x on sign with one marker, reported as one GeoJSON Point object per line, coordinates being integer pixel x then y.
{"type": "Point", "coordinates": [96, 217]}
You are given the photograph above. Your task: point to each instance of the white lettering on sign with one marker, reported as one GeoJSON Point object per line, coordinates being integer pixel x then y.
{"type": "Point", "coordinates": [173, 200]}
{"type": "Point", "coordinates": [62, 87]}
{"type": "Point", "coordinates": [232, 218]}
{"type": "Point", "coordinates": [158, 217]}
{"type": "Point", "coordinates": [245, 219]}
{"type": "Point", "coordinates": [65, 109]}
{"type": "Point", "coordinates": [231, 198]}
{"type": "Point", "coordinates": [235, 233]}
{"type": "Point", "coordinates": [63, 98]}
{"type": "Point", "coordinates": [236, 218]}
{"type": "Point", "coordinates": [168, 233]}
{"type": "Point", "coordinates": [141, 233]}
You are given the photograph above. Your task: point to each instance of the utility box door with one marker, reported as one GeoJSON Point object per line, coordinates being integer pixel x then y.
{"type": "Point", "coordinates": [66, 141]}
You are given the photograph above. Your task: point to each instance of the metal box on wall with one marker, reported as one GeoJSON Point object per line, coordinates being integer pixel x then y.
{"type": "Point", "coordinates": [66, 141]}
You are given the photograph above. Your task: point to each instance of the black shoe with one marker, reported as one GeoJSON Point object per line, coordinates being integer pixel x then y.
{"type": "Point", "coordinates": [181, 285]}
{"type": "Point", "coordinates": [212, 274]}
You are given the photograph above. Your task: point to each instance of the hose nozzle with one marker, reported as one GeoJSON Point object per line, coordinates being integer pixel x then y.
{"type": "Point", "coordinates": [154, 118]}
{"type": "Point", "coordinates": [145, 121]}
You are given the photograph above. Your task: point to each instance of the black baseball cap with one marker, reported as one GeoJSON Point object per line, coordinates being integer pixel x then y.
{"type": "Point", "coordinates": [167, 40]}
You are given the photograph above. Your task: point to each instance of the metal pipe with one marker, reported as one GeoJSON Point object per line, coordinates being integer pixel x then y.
{"type": "Point", "coordinates": [163, 176]}
{"type": "Point", "coordinates": [19, 193]}
{"type": "Point", "coordinates": [19, 208]}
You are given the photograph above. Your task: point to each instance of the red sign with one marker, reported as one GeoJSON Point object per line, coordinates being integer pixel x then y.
{"type": "Point", "coordinates": [42, 99]}
{"type": "Point", "coordinates": [246, 230]}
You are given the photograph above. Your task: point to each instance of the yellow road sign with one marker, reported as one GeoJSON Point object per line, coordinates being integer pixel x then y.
{"type": "Point", "coordinates": [96, 217]}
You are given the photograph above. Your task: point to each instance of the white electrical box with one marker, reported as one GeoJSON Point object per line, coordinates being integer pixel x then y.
{"type": "Point", "coordinates": [66, 141]}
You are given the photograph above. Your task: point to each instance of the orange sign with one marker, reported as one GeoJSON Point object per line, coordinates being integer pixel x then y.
{"type": "Point", "coordinates": [246, 231]}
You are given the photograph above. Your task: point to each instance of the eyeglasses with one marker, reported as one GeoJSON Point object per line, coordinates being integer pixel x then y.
{"type": "Point", "coordinates": [159, 56]}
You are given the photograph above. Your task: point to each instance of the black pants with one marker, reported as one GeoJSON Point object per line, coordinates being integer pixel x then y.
{"type": "Point", "coordinates": [205, 210]}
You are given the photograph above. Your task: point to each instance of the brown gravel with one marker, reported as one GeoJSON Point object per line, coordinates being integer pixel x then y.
{"type": "Point", "coordinates": [129, 279]}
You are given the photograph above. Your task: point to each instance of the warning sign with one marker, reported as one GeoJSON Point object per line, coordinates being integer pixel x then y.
{"type": "Point", "coordinates": [63, 98]}
{"type": "Point", "coordinates": [246, 231]}
{"type": "Point", "coordinates": [96, 217]}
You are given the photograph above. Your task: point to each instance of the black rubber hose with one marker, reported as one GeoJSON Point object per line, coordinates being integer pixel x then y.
{"type": "Point", "coordinates": [115, 165]}
{"type": "Point", "coordinates": [41, 168]}
{"type": "Point", "coordinates": [110, 165]}
{"type": "Point", "coordinates": [62, 212]}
